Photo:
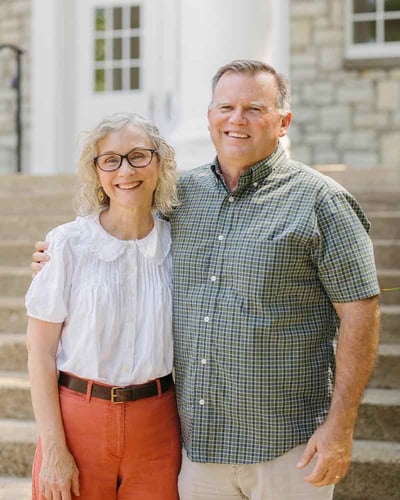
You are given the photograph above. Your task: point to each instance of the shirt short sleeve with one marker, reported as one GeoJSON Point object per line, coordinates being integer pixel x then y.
{"type": "Point", "coordinates": [344, 252]}
{"type": "Point", "coordinates": [47, 297]}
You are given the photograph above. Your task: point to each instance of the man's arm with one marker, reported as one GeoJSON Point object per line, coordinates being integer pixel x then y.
{"type": "Point", "coordinates": [355, 356]}
{"type": "Point", "coordinates": [39, 258]}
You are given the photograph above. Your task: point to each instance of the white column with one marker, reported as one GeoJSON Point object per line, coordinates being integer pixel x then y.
{"type": "Point", "coordinates": [212, 33]}
{"type": "Point", "coordinates": [50, 83]}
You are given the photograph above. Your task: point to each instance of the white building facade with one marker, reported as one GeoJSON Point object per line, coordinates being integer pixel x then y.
{"type": "Point", "coordinates": [84, 59]}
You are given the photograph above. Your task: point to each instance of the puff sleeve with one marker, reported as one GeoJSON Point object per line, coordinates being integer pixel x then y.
{"type": "Point", "coordinates": [48, 296]}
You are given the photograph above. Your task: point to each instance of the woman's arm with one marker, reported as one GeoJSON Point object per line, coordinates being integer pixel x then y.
{"type": "Point", "coordinates": [59, 473]}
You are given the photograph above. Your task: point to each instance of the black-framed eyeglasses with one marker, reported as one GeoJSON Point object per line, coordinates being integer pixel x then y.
{"type": "Point", "coordinates": [137, 158]}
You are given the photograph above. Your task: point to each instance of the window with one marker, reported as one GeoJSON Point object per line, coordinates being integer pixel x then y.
{"type": "Point", "coordinates": [373, 29]}
{"type": "Point", "coordinates": [117, 50]}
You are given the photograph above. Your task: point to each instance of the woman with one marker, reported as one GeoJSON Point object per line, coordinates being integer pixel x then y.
{"type": "Point", "coordinates": [100, 315]}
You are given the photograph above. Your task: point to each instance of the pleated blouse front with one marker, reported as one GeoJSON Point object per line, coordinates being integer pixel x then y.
{"type": "Point", "coordinates": [113, 298]}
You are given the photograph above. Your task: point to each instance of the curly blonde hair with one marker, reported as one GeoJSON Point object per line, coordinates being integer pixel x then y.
{"type": "Point", "coordinates": [90, 196]}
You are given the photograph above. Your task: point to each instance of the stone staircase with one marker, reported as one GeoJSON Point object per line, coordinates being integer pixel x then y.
{"type": "Point", "coordinates": [32, 206]}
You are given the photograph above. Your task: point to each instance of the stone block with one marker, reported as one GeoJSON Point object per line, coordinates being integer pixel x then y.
{"type": "Point", "coordinates": [321, 22]}
{"type": "Point", "coordinates": [356, 92]}
{"type": "Point", "coordinates": [395, 73]}
{"type": "Point", "coordinates": [328, 36]}
{"type": "Point", "coordinates": [391, 150]}
{"type": "Point", "coordinates": [301, 75]}
{"type": "Point", "coordinates": [375, 120]}
{"type": "Point", "coordinates": [335, 118]}
{"type": "Point", "coordinates": [395, 119]}
{"type": "Point", "coordinates": [323, 155]}
{"type": "Point", "coordinates": [304, 114]}
{"type": "Point", "coordinates": [300, 33]}
{"type": "Point", "coordinates": [388, 95]}
{"type": "Point", "coordinates": [364, 140]}
{"type": "Point", "coordinates": [360, 159]}
{"type": "Point", "coordinates": [319, 139]}
{"type": "Point", "coordinates": [374, 74]}
{"type": "Point", "coordinates": [303, 59]}
{"type": "Point", "coordinates": [310, 8]}
{"type": "Point", "coordinates": [295, 134]}
{"type": "Point", "coordinates": [319, 93]}
{"type": "Point", "coordinates": [330, 58]}
{"type": "Point", "coordinates": [337, 14]}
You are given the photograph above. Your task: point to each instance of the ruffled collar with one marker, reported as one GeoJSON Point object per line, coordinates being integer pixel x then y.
{"type": "Point", "coordinates": [155, 246]}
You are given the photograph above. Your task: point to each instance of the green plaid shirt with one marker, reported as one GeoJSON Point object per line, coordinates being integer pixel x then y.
{"type": "Point", "coordinates": [255, 275]}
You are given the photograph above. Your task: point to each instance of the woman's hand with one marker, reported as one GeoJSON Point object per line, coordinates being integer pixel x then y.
{"type": "Point", "coordinates": [58, 474]}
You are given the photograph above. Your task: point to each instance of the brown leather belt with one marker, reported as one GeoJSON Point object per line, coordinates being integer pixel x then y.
{"type": "Point", "coordinates": [116, 394]}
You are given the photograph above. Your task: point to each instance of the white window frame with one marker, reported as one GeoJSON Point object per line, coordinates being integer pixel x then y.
{"type": "Point", "coordinates": [366, 51]}
{"type": "Point", "coordinates": [125, 63]}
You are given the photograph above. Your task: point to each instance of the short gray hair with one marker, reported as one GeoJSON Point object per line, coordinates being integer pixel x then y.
{"type": "Point", "coordinates": [253, 67]}
{"type": "Point", "coordinates": [90, 196]}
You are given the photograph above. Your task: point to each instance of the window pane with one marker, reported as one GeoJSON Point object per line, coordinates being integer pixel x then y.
{"type": "Point", "coordinates": [117, 48]}
{"type": "Point", "coordinates": [99, 85]}
{"type": "Point", "coordinates": [365, 32]}
{"type": "Point", "coordinates": [117, 18]}
{"type": "Point", "coordinates": [392, 30]}
{"type": "Point", "coordinates": [117, 79]}
{"type": "Point", "coordinates": [99, 49]}
{"type": "Point", "coordinates": [364, 6]}
{"type": "Point", "coordinates": [100, 20]}
{"type": "Point", "coordinates": [135, 17]}
{"type": "Point", "coordinates": [135, 47]}
{"type": "Point", "coordinates": [392, 5]}
{"type": "Point", "coordinates": [135, 78]}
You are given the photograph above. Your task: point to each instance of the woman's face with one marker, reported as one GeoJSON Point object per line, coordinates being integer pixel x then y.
{"type": "Point", "coordinates": [129, 187]}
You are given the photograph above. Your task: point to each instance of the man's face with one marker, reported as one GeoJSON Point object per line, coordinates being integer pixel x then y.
{"type": "Point", "coordinates": [244, 122]}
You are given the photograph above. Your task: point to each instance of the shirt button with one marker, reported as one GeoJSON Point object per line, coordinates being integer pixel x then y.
{"type": "Point", "coordinates": [255, 184]}
{"type": "Point", "coordinates": [213, 278]}
{"type": "Point", "coordinates": [203, 361]}
{"type": "Point", "coordinates": [231, 199]}
{"type": "Point", "coordinates": [202, 402]}
{"type": "Point", "coordinates": [126, 370]}
{"type": "Point", "coordinates": [221, 237]}
{"type": "Point", "coordinates": [206, 319]}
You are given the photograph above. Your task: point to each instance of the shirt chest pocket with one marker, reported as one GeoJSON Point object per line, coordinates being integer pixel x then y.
{"type": "Point", "coordinates": [264, 270]}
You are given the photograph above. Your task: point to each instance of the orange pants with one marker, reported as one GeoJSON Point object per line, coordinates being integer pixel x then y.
{"type": "Point", "coordinates": [126, 451]}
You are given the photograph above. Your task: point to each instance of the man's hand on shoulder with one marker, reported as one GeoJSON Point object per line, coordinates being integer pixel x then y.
{"type": "Point", "coordinates": [39, 258]}
{"type": "Point", "coordinates": [332, 445]}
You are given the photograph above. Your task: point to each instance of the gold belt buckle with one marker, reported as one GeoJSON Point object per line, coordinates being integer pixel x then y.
{"type": "Point", "coordinates": [114, 396]}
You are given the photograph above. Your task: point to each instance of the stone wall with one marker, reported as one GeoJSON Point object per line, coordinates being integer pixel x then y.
{"type": "Point", "coordinates": [15, 29]}
{"type": "Point", "coordinates": [340, 115]}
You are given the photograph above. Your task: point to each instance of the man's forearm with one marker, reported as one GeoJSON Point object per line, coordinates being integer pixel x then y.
{"type": "Point", "coordinates": [355, 357]}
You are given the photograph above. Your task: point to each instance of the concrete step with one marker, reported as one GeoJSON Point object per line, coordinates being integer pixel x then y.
{"type": "Point", "coordinates": [13, 317]}
{"type": "Point", "coordinates": [374, 473]}
{"type": "Point", "coordinates": [379, 415]}
{"type": "Point", "coordinates": [390, 278]}
{"type": "Point", "coordinates": [364, 180]}
{"type": "Point", "coordinates": [15, 488]}
{"type": "Point", "coordinates": [15, 280]}
{"type": "Point", "coordinates": [387, 370]}
{"type": "Point", "coordinates": [23, 184]}
{"type": "Point", "coordinates": [378, 200]}
{"type": "Point", "coordinates": [387, 254]}
{"type": "Point", "coordinates": [17, 447]}
{"type": "Point", "coordinates": [33, 227]}
{"type": "Point", "coordinates": [385, 225]}
{"type": "Point", "coordinates": [390, 326]}
{"type": "Point", "coordinates": [37, 203]}
{"type": "Point", "coordinates": [17, 253]}
{"type": "Point", "coordinates": [15, 400]}
{"type": "Point", "coordinates": [13, 354]}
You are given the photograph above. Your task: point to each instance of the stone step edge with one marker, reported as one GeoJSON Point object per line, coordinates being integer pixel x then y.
{"type": "Point", "coordinates": [365, 451]}
{"type": "Point", "coordinates": [17, 431]}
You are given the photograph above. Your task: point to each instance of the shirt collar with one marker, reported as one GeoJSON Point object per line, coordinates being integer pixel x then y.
{"type": "Point", "coordinates": [256, 173]}
{"type": "Point", "coordinates": [155, 246]}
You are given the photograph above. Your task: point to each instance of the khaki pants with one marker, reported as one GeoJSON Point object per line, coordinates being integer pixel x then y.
{"type": "Point", "coordinates": [278, 479]}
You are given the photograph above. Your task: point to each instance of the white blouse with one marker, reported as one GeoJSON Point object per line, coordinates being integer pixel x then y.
{"type": "Point", "coordinates": [114, 298]}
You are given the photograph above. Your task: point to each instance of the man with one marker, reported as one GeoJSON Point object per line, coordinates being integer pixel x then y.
{"type": "Point", "coordinates": [269, 258]}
